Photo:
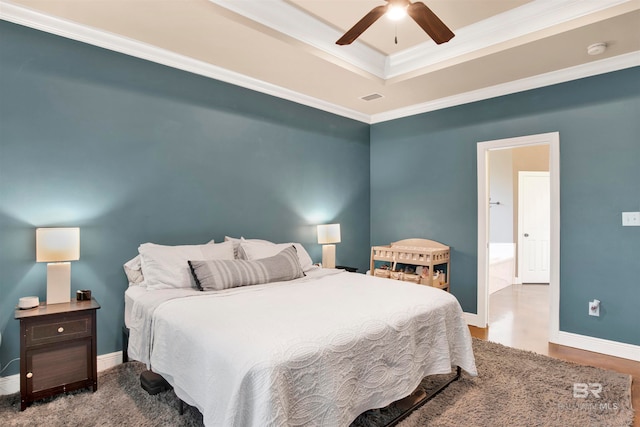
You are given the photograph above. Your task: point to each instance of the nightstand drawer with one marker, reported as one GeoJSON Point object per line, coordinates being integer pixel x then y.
{"type": "Point", "coordinates": [68, 327]}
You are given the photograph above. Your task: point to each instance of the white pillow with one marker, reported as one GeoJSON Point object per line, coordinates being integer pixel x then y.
{"type": "Point", "coordinates": [259, 249]}
{"type": "Point", "coordinates": [237, 250]}
{"type": "Point", "coordinates": [133, 270]}
{"type": "Point", "coordinates": [166, 267]}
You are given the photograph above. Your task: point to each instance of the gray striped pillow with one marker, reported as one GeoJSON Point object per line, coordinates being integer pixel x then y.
{"type": "Point", "coordinates": [219, 274]}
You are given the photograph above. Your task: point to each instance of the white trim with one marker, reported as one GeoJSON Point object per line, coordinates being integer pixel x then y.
{"type": "Point", "coordinates": [599, 345]}
{"type": "Point", "coordinates": [602, 66]}
{"type": "Point", "coordinates": [538, 15]}
{"type": "Point", "coordinates": [109, 360]}
{"type": "Point", "coordinates": [482, 161]}
{"type": "Point", "coordinates": [30, 18]}
{"type": "Point", "coordinates": [39, 21]}
{"type": "Point", "coordinates": [473, 319]}
{"type": "Point", "coordinates": [293, 22]}
{"type": "Point", "coordinates": [11, 384]}
{"type": "Point", "coordinates": [583, 342]}
{"type": "Point", "coordinates": [553, 140]}
{"type": "Point", "coordinates": [554, 267]}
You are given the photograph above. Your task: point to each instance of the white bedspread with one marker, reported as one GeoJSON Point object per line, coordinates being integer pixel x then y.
{"type": "Point", "coordinates": [317, 351]}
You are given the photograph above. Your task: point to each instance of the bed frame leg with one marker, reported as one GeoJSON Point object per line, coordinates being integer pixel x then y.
{"type": "Point", "coordinates": [433, 394]}
{"type": "Point", "coordinates": [125, 344]}
{"type": "Point", "coordinates": [180, 407]}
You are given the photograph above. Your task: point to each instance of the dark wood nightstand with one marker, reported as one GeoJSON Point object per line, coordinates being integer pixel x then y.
{"type": "Point", "coordinates": [57, 349]}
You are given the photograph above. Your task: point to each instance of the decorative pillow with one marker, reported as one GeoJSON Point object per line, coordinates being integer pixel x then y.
{"type": "Point", "coordinates": [253, 250]}
{"type": "Point", "coordinates": [216, 275]}
{"type": "Point", "coordinates": [133, 270]}
{"type": "Point", "coordinates": [166, 267]}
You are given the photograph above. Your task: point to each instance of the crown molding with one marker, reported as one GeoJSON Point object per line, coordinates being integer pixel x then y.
{"type": "Point", "coordinates": [289, 20]}
{"type": "Point", "coordinates": [71, 30]}
{"type": "Point", "coordinates": [515, 24]}
{"type": "Point", "coordinates": [30, 18]}
{"type": "Point", "coordinates": [527, 19]}
{"type": "Point", "coordinates": [602, 66]}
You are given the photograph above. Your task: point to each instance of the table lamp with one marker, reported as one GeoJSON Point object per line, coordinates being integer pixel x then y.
{"type": "Point", "coordinates": [328, 234]}
{"type": "Point", "coordinates": [58, 246]}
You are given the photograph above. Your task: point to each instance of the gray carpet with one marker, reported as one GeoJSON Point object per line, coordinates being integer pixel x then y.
{"type": "Point", "coordinates": [514, 388]}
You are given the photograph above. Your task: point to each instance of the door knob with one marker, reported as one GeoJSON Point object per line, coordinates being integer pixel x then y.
{"type": "Point", "coordinates": [526, 234]}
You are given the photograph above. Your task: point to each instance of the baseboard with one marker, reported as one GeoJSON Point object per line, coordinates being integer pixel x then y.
{"type": "Point", "coordinates": [109, 360]}
{"type": "Point", "coordinates": [599, 345]}
{"type": "Point", "coordinates": [473, 319]}
{"type": "Point", "coordinates": [582, 342]}
{"type": "Point", "coordinates": [11, 384]}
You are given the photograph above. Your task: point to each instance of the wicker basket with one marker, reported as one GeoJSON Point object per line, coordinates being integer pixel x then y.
{"type": "Point", "coordinates": [381, 272]}
{"type": "Point", "coordinates": [396, 275]}
{"type": "Point", "coordinates": [413, 278]}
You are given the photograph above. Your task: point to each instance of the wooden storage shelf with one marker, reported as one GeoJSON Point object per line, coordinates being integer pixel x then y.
{"type": "Point", "coordinates": [414, 252]}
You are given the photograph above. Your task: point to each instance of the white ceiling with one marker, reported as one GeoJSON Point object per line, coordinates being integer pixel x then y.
{"type": "Point", "coordinates": [287, 48]}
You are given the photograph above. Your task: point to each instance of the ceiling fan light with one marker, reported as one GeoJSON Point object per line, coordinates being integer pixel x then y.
{"type": "Point", "coordinates": [396, 12]}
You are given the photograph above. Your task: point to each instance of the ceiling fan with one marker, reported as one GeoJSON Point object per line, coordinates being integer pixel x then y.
{"type": "Point", "coordinates": [418, 11]}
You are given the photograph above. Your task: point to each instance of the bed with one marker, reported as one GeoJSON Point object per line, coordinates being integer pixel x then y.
{"type": "Point", "coordinates": [317, 350]}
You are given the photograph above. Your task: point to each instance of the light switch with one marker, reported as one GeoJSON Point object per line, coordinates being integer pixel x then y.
{"type": "Point", "coordinates": [630, 219]}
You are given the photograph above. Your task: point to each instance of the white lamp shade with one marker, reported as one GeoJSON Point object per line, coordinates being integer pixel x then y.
{"type": "Point", "coordinates": [57, 244]}
{"type": "Point", "coordinates": [328, 233]}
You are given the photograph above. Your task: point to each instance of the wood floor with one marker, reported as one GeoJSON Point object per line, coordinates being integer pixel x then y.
{"type": "Point", "coordinates": [519, 318]}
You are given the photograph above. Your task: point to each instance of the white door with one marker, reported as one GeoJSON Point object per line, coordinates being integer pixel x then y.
{"type": "Point", "coordinates": [533, 227]}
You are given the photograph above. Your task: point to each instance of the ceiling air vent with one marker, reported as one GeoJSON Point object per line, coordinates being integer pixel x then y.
{"type": "Point", "coordinates": [371, 97]}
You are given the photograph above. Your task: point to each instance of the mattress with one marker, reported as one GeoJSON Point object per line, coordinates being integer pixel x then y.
{"type": "Point", "coordinates": [131, 294]}
{"type": "Point", "coordinates": [314, 351]}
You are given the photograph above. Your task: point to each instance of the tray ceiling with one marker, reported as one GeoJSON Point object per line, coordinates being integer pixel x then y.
{"type": "Point", "coordinates": [287, 48]}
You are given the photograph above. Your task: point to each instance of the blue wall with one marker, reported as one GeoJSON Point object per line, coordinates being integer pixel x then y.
{"type": "Point", "coordinates": [131, 151]}
{"type": "Point", "coordinates": [423, 184]}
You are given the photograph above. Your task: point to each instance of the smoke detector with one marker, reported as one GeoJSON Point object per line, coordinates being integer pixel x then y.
{"type": "Point", "coordinates": [596, 48]}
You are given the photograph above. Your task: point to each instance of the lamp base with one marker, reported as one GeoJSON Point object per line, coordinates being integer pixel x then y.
{"type": "Point", "coordinates": [329, 256]}
{"type": "Point", "coordinates": [58, 282]}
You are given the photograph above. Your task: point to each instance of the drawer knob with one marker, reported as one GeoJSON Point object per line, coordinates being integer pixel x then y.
{"type": "Point", "coordinates": [60, 329]}
{"type": "Point", "coordinates": [29, 375]}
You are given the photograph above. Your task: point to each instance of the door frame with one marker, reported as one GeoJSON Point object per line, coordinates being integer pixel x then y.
{"type": "Point", "coordinates": [552, 139]}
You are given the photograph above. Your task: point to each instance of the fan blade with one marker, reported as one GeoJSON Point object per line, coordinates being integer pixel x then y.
{"type": "Point", "coordinates": [429, 22]}
{"type": "Point", "coordinates": [362, 25]}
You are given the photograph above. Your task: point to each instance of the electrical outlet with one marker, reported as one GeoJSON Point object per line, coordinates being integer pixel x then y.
{"type": "Point", "coordinates": [594, 308]}
{"type": "Point", "coordinates": [630, 219]}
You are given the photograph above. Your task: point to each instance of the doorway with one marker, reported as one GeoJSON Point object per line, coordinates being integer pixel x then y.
{"type": "Point", "coordinates": [550, 140]}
